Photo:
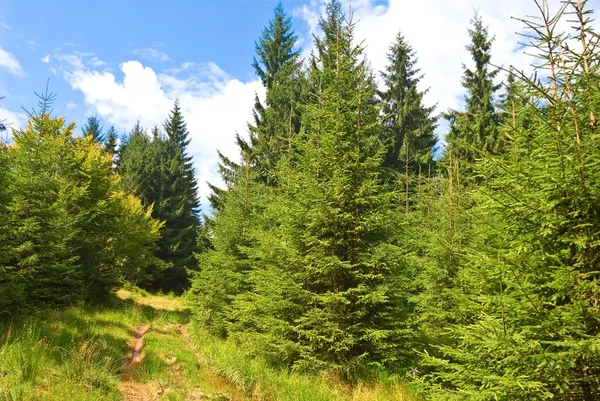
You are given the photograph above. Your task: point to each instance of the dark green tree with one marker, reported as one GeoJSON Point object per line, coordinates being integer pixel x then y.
{"type": "Point", "coordinates": [176, 202]}
{"type": "Point", "coordinates": [408, 126]}
{"type": "Point", "coordinates": [135, 165]}
{"type": "Point", "coordinates": [339, 211]}
{"type": "Point", "coordinates": [110, 145]}
{"type": "Point", "coordinates": [475, 131]}
{"type": "Point", "coordinates": [533, 270]}
{"type": "Point", "coordinates": [92, 127]}
{"type": "Point", "coordinates": [278, 120]}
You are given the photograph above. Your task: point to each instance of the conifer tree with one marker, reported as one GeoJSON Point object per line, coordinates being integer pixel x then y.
{"type": "Point", "coordinates": [110, 145]}
{"type": "Point", "coordinates": [277, 121]}
{"type": "Point", "coordinates": [408, 126]}
{"type": "Point", "coordinates": [533, 271]}
{"type": "Point", "coordinates": [338, 223]}
{"type": "Point", "coordinates": [177, 203]}
{"type": "Point", "coordinates": [43, 227]}
{"type": "Point", "coordinates": [134, 165]}
{"type": "Point", "coordinates": [10, 293]}
{"type": "Point", "coordinates": [92, 127]}
{"type": "Point", "coordinates": [475, 131]}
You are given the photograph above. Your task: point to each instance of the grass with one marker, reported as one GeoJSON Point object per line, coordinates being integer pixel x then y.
{"type": "Point", "coordinates": [79, 353]}
{"type": "Point", "coordinates": [72, 354]}
{"type": "Point", "coordinates": [262, 382]}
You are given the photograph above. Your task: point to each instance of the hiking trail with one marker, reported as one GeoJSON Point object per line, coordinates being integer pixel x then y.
{"type": "Point", "coordinates": [164, 362]}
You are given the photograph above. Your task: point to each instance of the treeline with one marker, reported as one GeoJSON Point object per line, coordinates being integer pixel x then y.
{"type": "Point", "coordinates": [342, 243]}
{"type": "Point", "coordinates": [79, 219]}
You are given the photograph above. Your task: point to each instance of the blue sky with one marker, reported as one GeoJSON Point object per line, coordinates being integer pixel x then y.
{"type": "Point", "coordinates": [127, 61]}
{"type": "Point", "coordinates": [216, 31]}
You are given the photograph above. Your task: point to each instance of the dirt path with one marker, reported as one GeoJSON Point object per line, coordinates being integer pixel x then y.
{"type": "Point", "coordinates": [132, 390]}
{"type": "Point", "coordinates": [166, 364]}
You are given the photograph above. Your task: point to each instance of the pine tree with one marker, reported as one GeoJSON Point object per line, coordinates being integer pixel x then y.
{"type": "Point", "coordinates": [93, 128]}
{"type": "Point", "coordinates": [110, 145]}
{"type": "Point", "coordinates": [338, 221]}
{"type": "Point", "coordinates": [44, 212]}
{"type": "Point", "coordinates": [408, 124]}
{"type": "Point", "coordinates": [279, 68]}
{"type": "Point", "coordinates": [134, 165]}
{"type": "Point", "coordinates": [11, 294]}
{"type": "Point", "coordinates": [224, 267]}
{"type": "Point", "coordinates": [533, 271]}
{"type": "Point", "coordinates": [177, 203]}
{"type": "Point", "coordinates": [475, 132]}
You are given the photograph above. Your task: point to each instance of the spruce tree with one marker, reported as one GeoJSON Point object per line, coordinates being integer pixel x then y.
{"type": "Point", "coordinates": [177, 203]}
{"type": "Point", "coordinates": [10, 292]}
{"type": "Point", "coordinates": [134, 165]}
{"type": "Point", "coordinates": [110, 145]}
{"type": "Point", "coordinates": [277, 121]}
{"type": "Point", "coordinates": [338, 224]}
{"type": "Point", "coordinates": [533, 271]}
{"type": "Point", "coordinates": [408, 126]}
{"type": "Point", "coordinates": [475, 131]}
{"type": "Point", "coordinates": [92, 127]}
{"type": "Point", "coordinates": [43, 227]}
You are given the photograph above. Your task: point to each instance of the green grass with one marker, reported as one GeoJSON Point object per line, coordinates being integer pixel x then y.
{"type": "Point", "coordinates": [71, 354]}
{"type": "Point", "coordinates": [256, 378]}
{"type": "Point", "coordinates": [78, 354]}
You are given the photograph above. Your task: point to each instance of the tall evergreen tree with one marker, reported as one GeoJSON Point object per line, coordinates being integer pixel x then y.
{"type": "Point", "coordinates": [475, 131]}
{"type": "Point", "coordinates": [110, 144]}
{"type": "Point", "coordinates": [338, 221]}
{"type": "Point", "coordinates": [176, 203]}
{"type": "Point", "coordinates": [134, 164]}
{"type": "Point", "coordinates": [408, 126]}
{"type": "Point", "coordinates": [92, 127]}
{"type": "Point", "coordinates": [533, 272]}
{"type": "Point", "coordinates": [278, 120]}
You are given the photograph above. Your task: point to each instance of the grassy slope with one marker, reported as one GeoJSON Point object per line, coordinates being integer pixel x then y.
{"type": "Point", "coordinates": [78, 354]}
{"type": "Point", "coordinates": [73, 354]}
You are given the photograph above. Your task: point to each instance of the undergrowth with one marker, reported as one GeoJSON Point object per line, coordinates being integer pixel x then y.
{"type": "Point", "coordinates": [71, 354]}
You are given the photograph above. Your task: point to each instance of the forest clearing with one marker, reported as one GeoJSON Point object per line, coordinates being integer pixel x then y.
{"type": "Point", "coordinates": [362, 244]}
{"type": "Point", "coordinates": [143, 348]}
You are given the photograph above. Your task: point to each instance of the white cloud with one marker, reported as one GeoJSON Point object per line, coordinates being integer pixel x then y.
{"type": "Point", "coordinates": [152, 54]}
{"type": "Point", "coordinates": [71, 105]}
{"type": "Point", "coordinates": [4, 25]}
{"type": "Point", "coordinates": [46, 59]}
{"type": "Point", "coordinates": [9, 62]}
{"type": "Point", "coordinates": [437, 31]}
{"type": "Point", "coordinates": [215, 105]}
{"type": "Point", "coordinates": [11, 119]}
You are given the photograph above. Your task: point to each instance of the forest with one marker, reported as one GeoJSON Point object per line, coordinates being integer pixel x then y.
{"type": "Point", "coordinates": [348, 241]}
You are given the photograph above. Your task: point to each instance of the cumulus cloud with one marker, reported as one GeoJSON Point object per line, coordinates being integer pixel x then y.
{"type": "Point", "coordinates": [9, 62]}
{"type": "Point", "coordinates": [215, 105]}
{"type": "Point", "coordinates": [12, 119]}
{"type": "Point", "coordinates": [45, 59]}
{"type": "Point", "coordinates": [152, 54]}
{"type": "Point", "coordinates": [437, 30]}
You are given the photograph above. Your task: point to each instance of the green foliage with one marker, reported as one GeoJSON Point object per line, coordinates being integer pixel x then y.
{"type": "Point", "coordinates": [159, 171]}
{"type": "Point", "coordinates": [110, 145]}
{"type": "Point", "coordinates": [532, 271]}
{"type": "Point", "coordinates": [46, 200]}
{"type": "Point", "coordinates": [278, 121]}
{"type": "Point", "coordinates": [176, 203]}
{"type": "Point", "coordinates": [92, 127]}
{"type": "Point", "coordinates": [63, 214]}
{"type": "Point", "coordinates": [475, 131]}
{"type": "Point", "coordinates": [407, 124]}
